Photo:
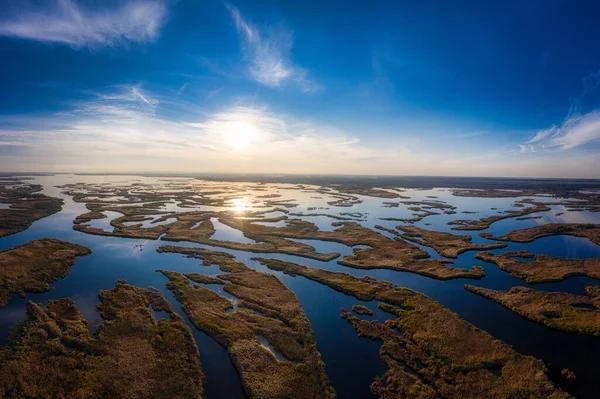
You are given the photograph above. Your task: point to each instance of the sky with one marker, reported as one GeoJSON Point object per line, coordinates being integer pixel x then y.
{"type": "Point", "coordinates": [461, 88]}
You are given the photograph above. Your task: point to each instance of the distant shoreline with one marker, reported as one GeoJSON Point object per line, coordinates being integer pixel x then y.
{"type": "Point", "coordinates": [365, 180]}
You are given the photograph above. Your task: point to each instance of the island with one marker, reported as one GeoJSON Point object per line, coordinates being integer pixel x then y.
{"type": "Point", "coordinates": [31, 267]}
{"type": "Point", "coordinates": [484, 223]}
{"type": "Point", "coordinates": [542, 268]}
{"type": "Point", "coordinates": [26, 205]}
{"type": "Point", "coordinates": [197, 226]}
{"type": "Point", "coordinates": [430, 351]}
{"type": "Point", "coordinates": [446, 244]}
{"type": "Point", "coordinates": [53, 355]}
{"type": "Point", "coordinates": [266, 332]}
{"type": "Point", "coordinates": [559, 310]}
{"type": "Point", "coordinates": [586, 230]}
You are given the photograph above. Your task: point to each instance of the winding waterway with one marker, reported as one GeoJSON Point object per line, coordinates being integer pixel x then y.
{"type": "Point", "coordinates": [351, 362]}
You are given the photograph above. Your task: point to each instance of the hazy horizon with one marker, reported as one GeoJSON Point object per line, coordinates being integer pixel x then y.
{"type": "Point", "coordinates": [267, 87]}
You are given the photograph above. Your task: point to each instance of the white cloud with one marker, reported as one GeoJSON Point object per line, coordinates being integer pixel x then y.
{"type": "Point", "coordinates": [542, 134]}
{"type": "Point", "coordinates": [119, 131]}
{"type": "Point", "coordinates": [269, 55]}
{"type": "Point", "coordinates": [578, 129]}
{"type": "Point", "coordinates": [68, 23]}
{"type": "Point", "coordinates": [270, 136]}
{"type": "Point", "coordinates": [182, 88]}
{"type": "Point", "coordinates": [10, 143]}
{"type": "Point", "coordinates": [128, 94]}
{"type": "Point", "coordinates": [575, 131]}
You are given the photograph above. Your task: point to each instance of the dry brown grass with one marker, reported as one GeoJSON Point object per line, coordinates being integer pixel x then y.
{"type": "Point", "coordinates": [197, 227]}
{"type": "Point", "coordinates": [267, 308]}
{"type": "Point", "coordinates": [268, 239]}
{"type": "Point", "coordinates": [362, 310]}
{"type": "Point", "coordinates": [355, 189]}
{"type": "Point", "coordinates": [383, 252]}
{"type": "Point", "coordinates": [446, 244]}
{"type": "Point", "coordinates": [437, 354]}
{"type": "Point", "coordinates": [559, 310]}
{"type": "Point", "coordinates": [32, 266]}
{"type": "Point", "coordinates": [54, 356]}
{"type": "Point", "coordinates": [420, 366]}
{"type": "Point", "coordinates": [587, 230]}
{"type": "Point", "coordinates": [484, 223]}
{"type": "Point", "coordinates": [544, 268]}
{"type": "Point", "coordinates": [27, 206]}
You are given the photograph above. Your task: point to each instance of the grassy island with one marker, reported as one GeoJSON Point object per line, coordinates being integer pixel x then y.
{"type": "Point", "coordinates": [586, 230]}
{"type": "Point", "coordinates": [543, 268]}
{"type": "Point", "coordinates": [362, 310]}
{"type": "Point", "coordinates": [446, 244]}
{"type": "Point", "coordinates": [197, 226]}
{"type": "Point", "coordinates": [382, 252]}
{"type": "Point", "coordinates": [26, 206]}
{"type": "Point", "coordinates": [266, 308]}
{"type": "Point", "coordinates": [356, 189]}
{"type": "Point", "coordinates": [436, 353]}
{"type": "Point", "coordinates": [31, 267]}
{"type": "Point", "coordinates": [484, 223]}
{"type": "Point", "coordinates": [559, 310]}
{"type": "Point", "coordinates": [53, 355]}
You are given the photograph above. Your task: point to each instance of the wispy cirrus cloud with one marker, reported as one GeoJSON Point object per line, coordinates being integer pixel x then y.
{"type": "Point", "coordinates": [66, 22]}
{"type": "Point", "coordinates": [541, 135]}
{"type": "Point", "coordinates": [576, 130]}
{"type": "Point", "coordinates": [269, 55]}
{"type": "Point", "coordinates": [129, 93]}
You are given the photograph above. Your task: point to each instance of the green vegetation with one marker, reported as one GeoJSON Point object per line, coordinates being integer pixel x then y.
{"type": "Point", "coordinates": [559, 310]}
{"type": "Point", "coordinates": [365, 288]}
{"type": "Point", "coordinates": [32, 266]}
{"type": "Point", "coordinates": [52, 354]}
{"type": "Point", "coordinates": [265, 308]}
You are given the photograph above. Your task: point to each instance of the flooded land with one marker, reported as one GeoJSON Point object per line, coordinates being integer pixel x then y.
{"type": "Point", "coordinates": [274, 287]}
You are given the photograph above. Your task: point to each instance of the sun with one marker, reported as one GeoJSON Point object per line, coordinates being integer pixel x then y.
{"type": "Point", "coordinates": [239, 205]}
{"type": "Point", "coordinates": [239, 135]}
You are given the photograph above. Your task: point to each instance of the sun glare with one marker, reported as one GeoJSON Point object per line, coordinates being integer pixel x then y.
{"type": "Point", "coordinates": [240, 135]}
{"type": "Point", "coordinates": [239, 205]}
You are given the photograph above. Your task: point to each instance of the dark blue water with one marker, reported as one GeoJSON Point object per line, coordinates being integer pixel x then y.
{"type": "Point", "coordinates": [351, 362]}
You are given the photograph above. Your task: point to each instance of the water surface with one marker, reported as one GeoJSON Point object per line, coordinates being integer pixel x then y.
{"type": "Point", "coordinates": [351, 362]}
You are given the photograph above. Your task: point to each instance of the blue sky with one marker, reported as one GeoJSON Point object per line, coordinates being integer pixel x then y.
{"type": "Point", "coordinates": [506, 88]}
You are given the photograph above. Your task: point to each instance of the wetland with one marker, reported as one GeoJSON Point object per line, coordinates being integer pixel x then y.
{"type": "Point", "coordinates": [308, 289]}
